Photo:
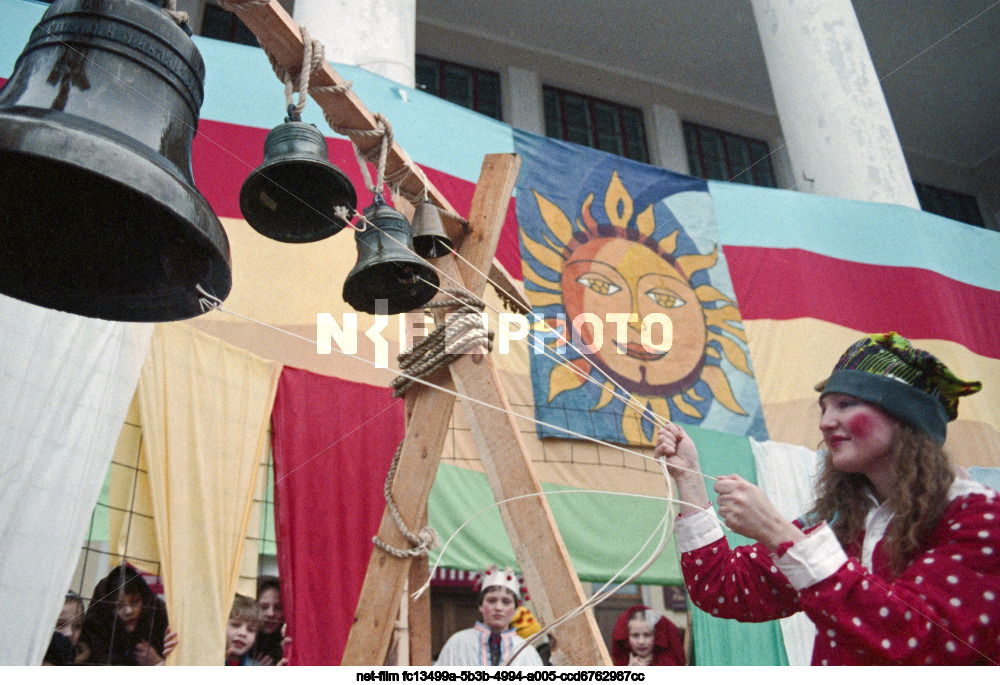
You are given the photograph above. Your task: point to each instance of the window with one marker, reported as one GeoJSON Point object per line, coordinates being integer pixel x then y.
{"type": "Point", "coordinates": [722, 156]}
{"type": "Point", "coordinates": [475, 89]}
{"type": "Point", "coordinates": [948, 203]}
{"type": "Point", "coordinates": [223, 25]}
{"type": "Point", "coordinates": [595, 123]}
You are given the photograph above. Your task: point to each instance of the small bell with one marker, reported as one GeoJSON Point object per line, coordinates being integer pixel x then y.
{"type": "Point", "coordinates": [387, 269]}
{"type": "Point", "coordinates": [429, 239]}
{"type": "Point", "coordinates": [295, 194]}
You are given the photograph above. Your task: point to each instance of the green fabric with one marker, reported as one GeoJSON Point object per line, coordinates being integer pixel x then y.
{"type": "Point", "coordinates": [602, 532]}
{"type": "Point", "coordinates": [100, 530]}
{"type": "Point", "coordinates": [591, 525]}
{"type": "Point", "coordinates": [267, 538]}
{"type": "Point", "coordinates": [720, 641]}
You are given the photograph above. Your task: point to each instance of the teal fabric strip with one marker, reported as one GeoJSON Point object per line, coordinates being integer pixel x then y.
{"type": "Point", "coordinates": [864, 232]}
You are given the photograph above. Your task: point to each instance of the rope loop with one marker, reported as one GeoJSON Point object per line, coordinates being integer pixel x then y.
{"type": "Point", "coordinates": [423, 541]}
{"type": "Point", "coordinates": [180, 18]}
{"type": "Point", "coordinates": [461, 331]}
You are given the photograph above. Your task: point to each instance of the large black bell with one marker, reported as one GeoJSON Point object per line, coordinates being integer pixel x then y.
{"type": "Point", "coordinates": [388, 278]}
{"type": "Point", "coordinates": [99, 214]}
{"type": "Point", "coordinates": [294, 195]}
{"type": "Point", "coordinates": [429, 239]}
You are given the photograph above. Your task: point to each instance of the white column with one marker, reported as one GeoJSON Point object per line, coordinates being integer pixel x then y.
{"type": "Point", "coordinates": [667, 143]}
{"type": "Point", "coordinates": [841, 139]}
{"type": "Point", "coordinates": [522, 93]}
{"type": "Point", "coordinates": [377, 35]}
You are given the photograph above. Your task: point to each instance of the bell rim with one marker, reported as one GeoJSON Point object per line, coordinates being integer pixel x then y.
{"type": "Point", "coordinates": [331, 171]}
{"type": "Point", "coordinates": [162, 183]}
{"type": "Point", "coordinates": [351, 293]}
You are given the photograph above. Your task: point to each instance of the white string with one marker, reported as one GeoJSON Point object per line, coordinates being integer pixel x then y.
{"type": "Point", "coordinates": [456, 394]}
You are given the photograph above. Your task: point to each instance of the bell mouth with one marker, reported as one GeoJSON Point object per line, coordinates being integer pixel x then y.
{"type": "Point", "coordinates": [97, 224]}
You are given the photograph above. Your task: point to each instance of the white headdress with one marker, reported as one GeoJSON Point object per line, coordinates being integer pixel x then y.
{"type": "Point", "coordinates": [506, 578]}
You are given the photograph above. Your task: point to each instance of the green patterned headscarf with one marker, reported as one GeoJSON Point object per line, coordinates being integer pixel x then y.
{"type": "Point", "coordinates": [911, 384]}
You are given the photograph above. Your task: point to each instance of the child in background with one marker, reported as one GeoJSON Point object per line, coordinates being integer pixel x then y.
{"type": "Point", "coordinates": [126, 624]}
{"type": "Point", "coordinates": [241, 631]}
{"type": "Point", "coordinates": [70, 623]}
{"type": "Point", "coordinates": [269, 647]}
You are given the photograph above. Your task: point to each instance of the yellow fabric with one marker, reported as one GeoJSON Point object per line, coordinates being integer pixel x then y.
{"type": "Point", "coordinates": [205, 407]}
{"type": "Point", "coordinates": [790, 357]}
{"type": "Point", "coordinates": [130, 519]}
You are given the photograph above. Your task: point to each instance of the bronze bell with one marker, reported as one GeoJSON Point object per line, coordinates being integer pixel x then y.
{"type": "Point", "coordinates": [429, 239]}
{"type": "Point", "coordinates": [100, 214]}
{"type": "Point", "coordinates": [294, 195]}
{"type": "Point", "coordinates": [388, 278]}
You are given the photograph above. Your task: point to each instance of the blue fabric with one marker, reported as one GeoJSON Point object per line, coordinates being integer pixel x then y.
{"type": "Point", "coordinates": [601, 199]}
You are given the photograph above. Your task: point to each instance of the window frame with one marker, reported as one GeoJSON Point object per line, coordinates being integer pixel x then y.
{"type": "Point", "coordinates": [476, 74]}
{"type": "Point", "coordinates": [699, 166]}
{"type": "Point", "coordinates": [621, 110]}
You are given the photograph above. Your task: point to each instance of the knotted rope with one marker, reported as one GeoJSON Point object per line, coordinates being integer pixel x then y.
{"type": "Point", "coordinates": [423, 542]}
{"type": "Point", "coordinates": [462, 330]}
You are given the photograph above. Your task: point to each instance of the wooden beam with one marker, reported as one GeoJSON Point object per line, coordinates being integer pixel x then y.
{"type": "Point", "coordinates": [541, 554]}
{"type": "Point", "coordinates": [426, 432]}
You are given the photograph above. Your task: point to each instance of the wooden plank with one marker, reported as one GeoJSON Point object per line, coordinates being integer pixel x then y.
{"type": "Point", "coordinates": [371, 633]}
{"type": "Point", "coordinates": [541, 554]}
{"type": "Point", "coordinates": [420, 615]}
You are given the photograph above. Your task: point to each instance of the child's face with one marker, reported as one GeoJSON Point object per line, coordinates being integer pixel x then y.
{"type": "Point", "coordinates": [271, 610]}
{"type": "Point", "coordinates": [240, 635]}
{"type": "Point", "coordinates": [498, 608]}
{"type": "Point", "coordinates": [70, 621]}
{"type": "Point", "coordinates": [128, 609]}
{"type": "Point", "coordinates": [640, 637]}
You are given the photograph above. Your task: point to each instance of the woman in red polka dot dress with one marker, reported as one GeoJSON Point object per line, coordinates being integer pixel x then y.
{"type": "Point", "coordinates": [898, 562]}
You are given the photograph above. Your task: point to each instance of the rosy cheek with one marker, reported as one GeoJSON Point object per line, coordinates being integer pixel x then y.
{"type": "Point", "coordinates": [860, 425]}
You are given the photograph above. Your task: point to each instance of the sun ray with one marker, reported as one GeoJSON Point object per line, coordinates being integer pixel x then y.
{"type": "Point", "coordinates": [632, 426]}
{"type": "Point", "coordinates": [617, 196]}
{"type": "Point", "coordinates": [555, 220]}
{"type": "Point", "coordinates": [717, 381]}
{"type": "Point", "coordinates": [646, 222]}
{"type": "Point", "coordinates": [708, 293]}
{"type": "Point", "coordinates": [733, 352]}
{"type": "Point", "coordinates": [533, 277]}
{"type": "Point", "coordinates": [685, 407]}
{"type": "Point", "coordinates": [660, 407]}
{"type": "Point", "coordinates": [669, 244]}
{"type": "Point", "coordinates": [607, 394]}
{"type": "Point", "coordinates": [694, 396]}
{"type": "Point", "coordinates": [543, 254]}
{"type": "Point", "coordinates": [540, 299]}
{"type": "Point", "coordinates": [690, 263]}
{"type": "Point", "coordinates": [565, 377]}
{"type": "Point", "coordinates": [712, 318]}
{"type": "Point", "coordinates": [588, 217]}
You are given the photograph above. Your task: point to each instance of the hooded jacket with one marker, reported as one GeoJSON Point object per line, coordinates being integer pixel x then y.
{"type": "Point", "coordinates": [105, 634]}
{"type": "Point", "coordinates": [668, 648]}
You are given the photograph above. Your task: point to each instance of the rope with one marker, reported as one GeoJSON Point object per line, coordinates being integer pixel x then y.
{"type": "Point", "coordinates": [424, 541]}
{"type": "Point", "coordinates": [463, 330]}
{"type": "Point", "coordinates": [181, 18]}
{"type": "Point", "coordinates": [313, 55]}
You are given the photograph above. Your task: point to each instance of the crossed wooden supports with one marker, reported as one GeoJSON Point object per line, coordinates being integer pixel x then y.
{"type": "Point", "coordinates": [540, 551]}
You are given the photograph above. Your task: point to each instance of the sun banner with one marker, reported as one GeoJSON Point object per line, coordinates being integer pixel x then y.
{"type": "Point", "coordinates": [628, 283]}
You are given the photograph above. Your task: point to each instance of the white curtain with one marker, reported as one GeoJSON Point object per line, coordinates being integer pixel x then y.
{"type": "Point", "coordinates": [65, 385]}
{"type": "Point", "coordinates": [786, 473]}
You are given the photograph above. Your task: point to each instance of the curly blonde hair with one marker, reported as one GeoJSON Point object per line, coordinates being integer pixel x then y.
{"type": "Point", "coordinates": [919, 496]}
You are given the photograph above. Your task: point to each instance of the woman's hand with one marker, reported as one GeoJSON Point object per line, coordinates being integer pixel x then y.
{"type": "Point", "coordinates": [170, 641]}
{"type": "Point", "coordinates": [285, 647]}
{"type": "Point", "coordinates": [746, 510]}
{"type": "Point", "coordinates": [678, 452]}
{"type": "Point", "coordinates": [146, 655]}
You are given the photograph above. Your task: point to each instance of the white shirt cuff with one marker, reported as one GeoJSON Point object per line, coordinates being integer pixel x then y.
{"type": "Point", "coordinates": [816, 558]}
{"type": "Point", "coordinates": [697, 530]}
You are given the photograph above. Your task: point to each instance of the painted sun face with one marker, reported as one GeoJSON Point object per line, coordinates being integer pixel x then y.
{"type": "Point", "coordinates": [617, 276]}
{"type": "Point", "coordinates": [631, 269]}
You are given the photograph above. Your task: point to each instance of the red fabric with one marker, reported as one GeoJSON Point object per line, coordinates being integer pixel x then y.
{"type": "Point", "coordinates": [943, 609]}
{"type": "Point", "coordinates": [668, 648]}
{"type": "Point", "coordinates": [333, 444]}
{"type": "Point", "coordinates": [773, 283]}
